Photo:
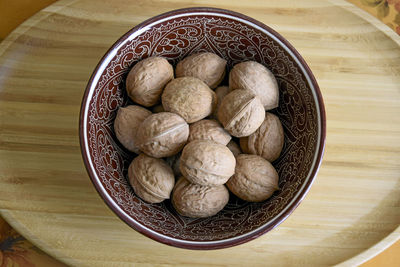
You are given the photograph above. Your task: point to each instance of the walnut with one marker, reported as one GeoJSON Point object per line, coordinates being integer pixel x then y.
{"type": "Point", "coordinates": [126, 124]}
{"type": "Point", "coordinates": [158, 109]}
{"type": "Point", "coordinates": [234, 148]}
{"type": "Point", "coordinates": [147, 79]}
{"type": "Point", "coordinates": [206, 162]}
{"type": "Point", "coordinates": [162, 134]}
{"type": "Point", "coordinates": [255, 179]}
{"type": "Point", "coordinates": [152, 179]}
{"type": "Point", "coordinates": [257, 78]}
{"type": "Point", "coordinates": [198, 201]}
{"type": "Point", "coordinates": [241, 113]}
{"type": "Point", "coordinates": [221, 92]}
{"type": "Point", "coordinates": [267, 141]}
{"type": "Point", "coordinates": [190, 98]}
{"type": "Point", "coordinates": [205, 66]}
{"type": "Point", "coordinates": [208, 130]}
{"type": "Point", "coordinates": [174, 162]}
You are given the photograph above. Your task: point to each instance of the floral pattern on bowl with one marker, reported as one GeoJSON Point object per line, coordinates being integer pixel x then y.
{"type": "Point", "coordinates": [17, 251]}
{"type": "Point", "coordinates": [235, 38]}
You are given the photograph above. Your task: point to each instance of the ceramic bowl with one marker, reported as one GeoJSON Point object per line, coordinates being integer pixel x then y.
{"type": "Point", "coordinates": [235, 37]}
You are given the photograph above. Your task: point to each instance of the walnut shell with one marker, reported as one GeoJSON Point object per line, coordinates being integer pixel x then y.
{"type": "Point", "coordinates": [190, 98]}
{"type": "Point", "coordinates": [267, 141]}
{"type": "Point", "coordinates": [257, 78]}
{"type": "Point", "coordinates": [198, 201]}
{"type": "Point", "coordinates": [208, 130]}
{"type": "Point", "coordinates": [147, 79]}
{"type": "Point", "coordinates": [152, 179]}
{"type": "Point", "coordinates": [126, 124]}
{"type": "Point", "coordinates": [162, 134]}
{"type": "Point", "coordinates": [234, 148]}
{"type": "Point", "coordinates": [241, 113]}
{"type": "Point", "coordinates": [206, 162]}
{"type": "Point", "coordinates": [174, 162]}
{"type": "Point", "coordinates": [208, 67]}
{"type": "Point", "coordinates": [158, 109]}
{"type": "Point", "coordinates": [255, 179]}
{"type": "Point", "coordinates": [221, 92]}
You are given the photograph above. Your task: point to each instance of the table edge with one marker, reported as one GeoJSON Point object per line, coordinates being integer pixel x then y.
{"type": "Point", "coordinates": [357, 259]}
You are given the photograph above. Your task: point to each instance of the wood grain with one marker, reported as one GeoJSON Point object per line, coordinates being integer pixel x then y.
{"type": "Point", "coordinates": [13, 13]}
{"type": "Point", "coordinates": [352, 211]}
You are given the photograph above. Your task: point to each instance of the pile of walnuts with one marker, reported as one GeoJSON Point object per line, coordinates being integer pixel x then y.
{"type": "Point", "coordinates": [189, 136]}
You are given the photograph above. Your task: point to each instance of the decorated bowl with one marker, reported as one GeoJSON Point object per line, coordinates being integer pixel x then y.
{"type": "Point", "coordinates": [236, 38]}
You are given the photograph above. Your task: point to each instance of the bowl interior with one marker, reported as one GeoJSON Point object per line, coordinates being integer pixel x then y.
{"type": "Point", "coordinates": [174, 36]}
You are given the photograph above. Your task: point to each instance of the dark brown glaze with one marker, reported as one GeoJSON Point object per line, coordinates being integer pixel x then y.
{"type": "Point", "coordinates": [236, 38]}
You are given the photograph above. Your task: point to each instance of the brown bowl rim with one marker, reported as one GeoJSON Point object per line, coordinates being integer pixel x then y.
{"type": "Point", "coordinates": [201, 245]}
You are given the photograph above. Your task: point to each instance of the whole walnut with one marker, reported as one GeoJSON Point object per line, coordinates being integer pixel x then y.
{"type": "Point", "coordinates": [208, 130]}
{"type": "Point", "coordinates": [152, 179]}
{"type": "Point", "coordinates": [126, 124]}
{"type": "Point", "coordinates": [190, 98]}
{"type": "Point", "coordinates": [257, 78]}
{"type": "Point", "coordinates": [234, 148]}
{"type": "Point", "coordinates": [241, 113]}
{"type": "Point", "coordinates": [147, 79]}
{"type": "Point", "coordinates": [162, 134]}
{"type": "Point", "coordinates": [198, 201]}
{"type": "Point", "coordinates": [267, 141]}
{"type": "Point", "coordinates": [205, 66]}
{"type": "Point", "coordinates": [206, 162]}
{"type": "Point", "coordinates": [255, 179]}
{"type": "Point", "coordinates": [221, 92]}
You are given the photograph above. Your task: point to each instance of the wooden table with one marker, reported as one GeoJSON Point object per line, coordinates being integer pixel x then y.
{"type": "Point", "coordinates": [352, 211]}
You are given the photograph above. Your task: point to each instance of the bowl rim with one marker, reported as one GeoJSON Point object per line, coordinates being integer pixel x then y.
{"type": "Point", "coordinates": [225, 243]}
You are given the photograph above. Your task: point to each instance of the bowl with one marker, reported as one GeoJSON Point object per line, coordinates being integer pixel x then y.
{"type": "Point", "coordinates": [235, 37]}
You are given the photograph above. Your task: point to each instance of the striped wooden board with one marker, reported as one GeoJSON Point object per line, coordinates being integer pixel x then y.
{"type": "Point", "coordinates": [352, 211]}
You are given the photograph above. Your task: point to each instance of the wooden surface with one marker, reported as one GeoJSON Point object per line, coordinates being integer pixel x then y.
{"type": "Point", "coordinates": [13, 13]}
{"type": "Point", "coordinates": [352, 211]}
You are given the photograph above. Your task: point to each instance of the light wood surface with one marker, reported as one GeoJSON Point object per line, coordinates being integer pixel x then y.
{"type": "Point", "coordinates": [350, 214]}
